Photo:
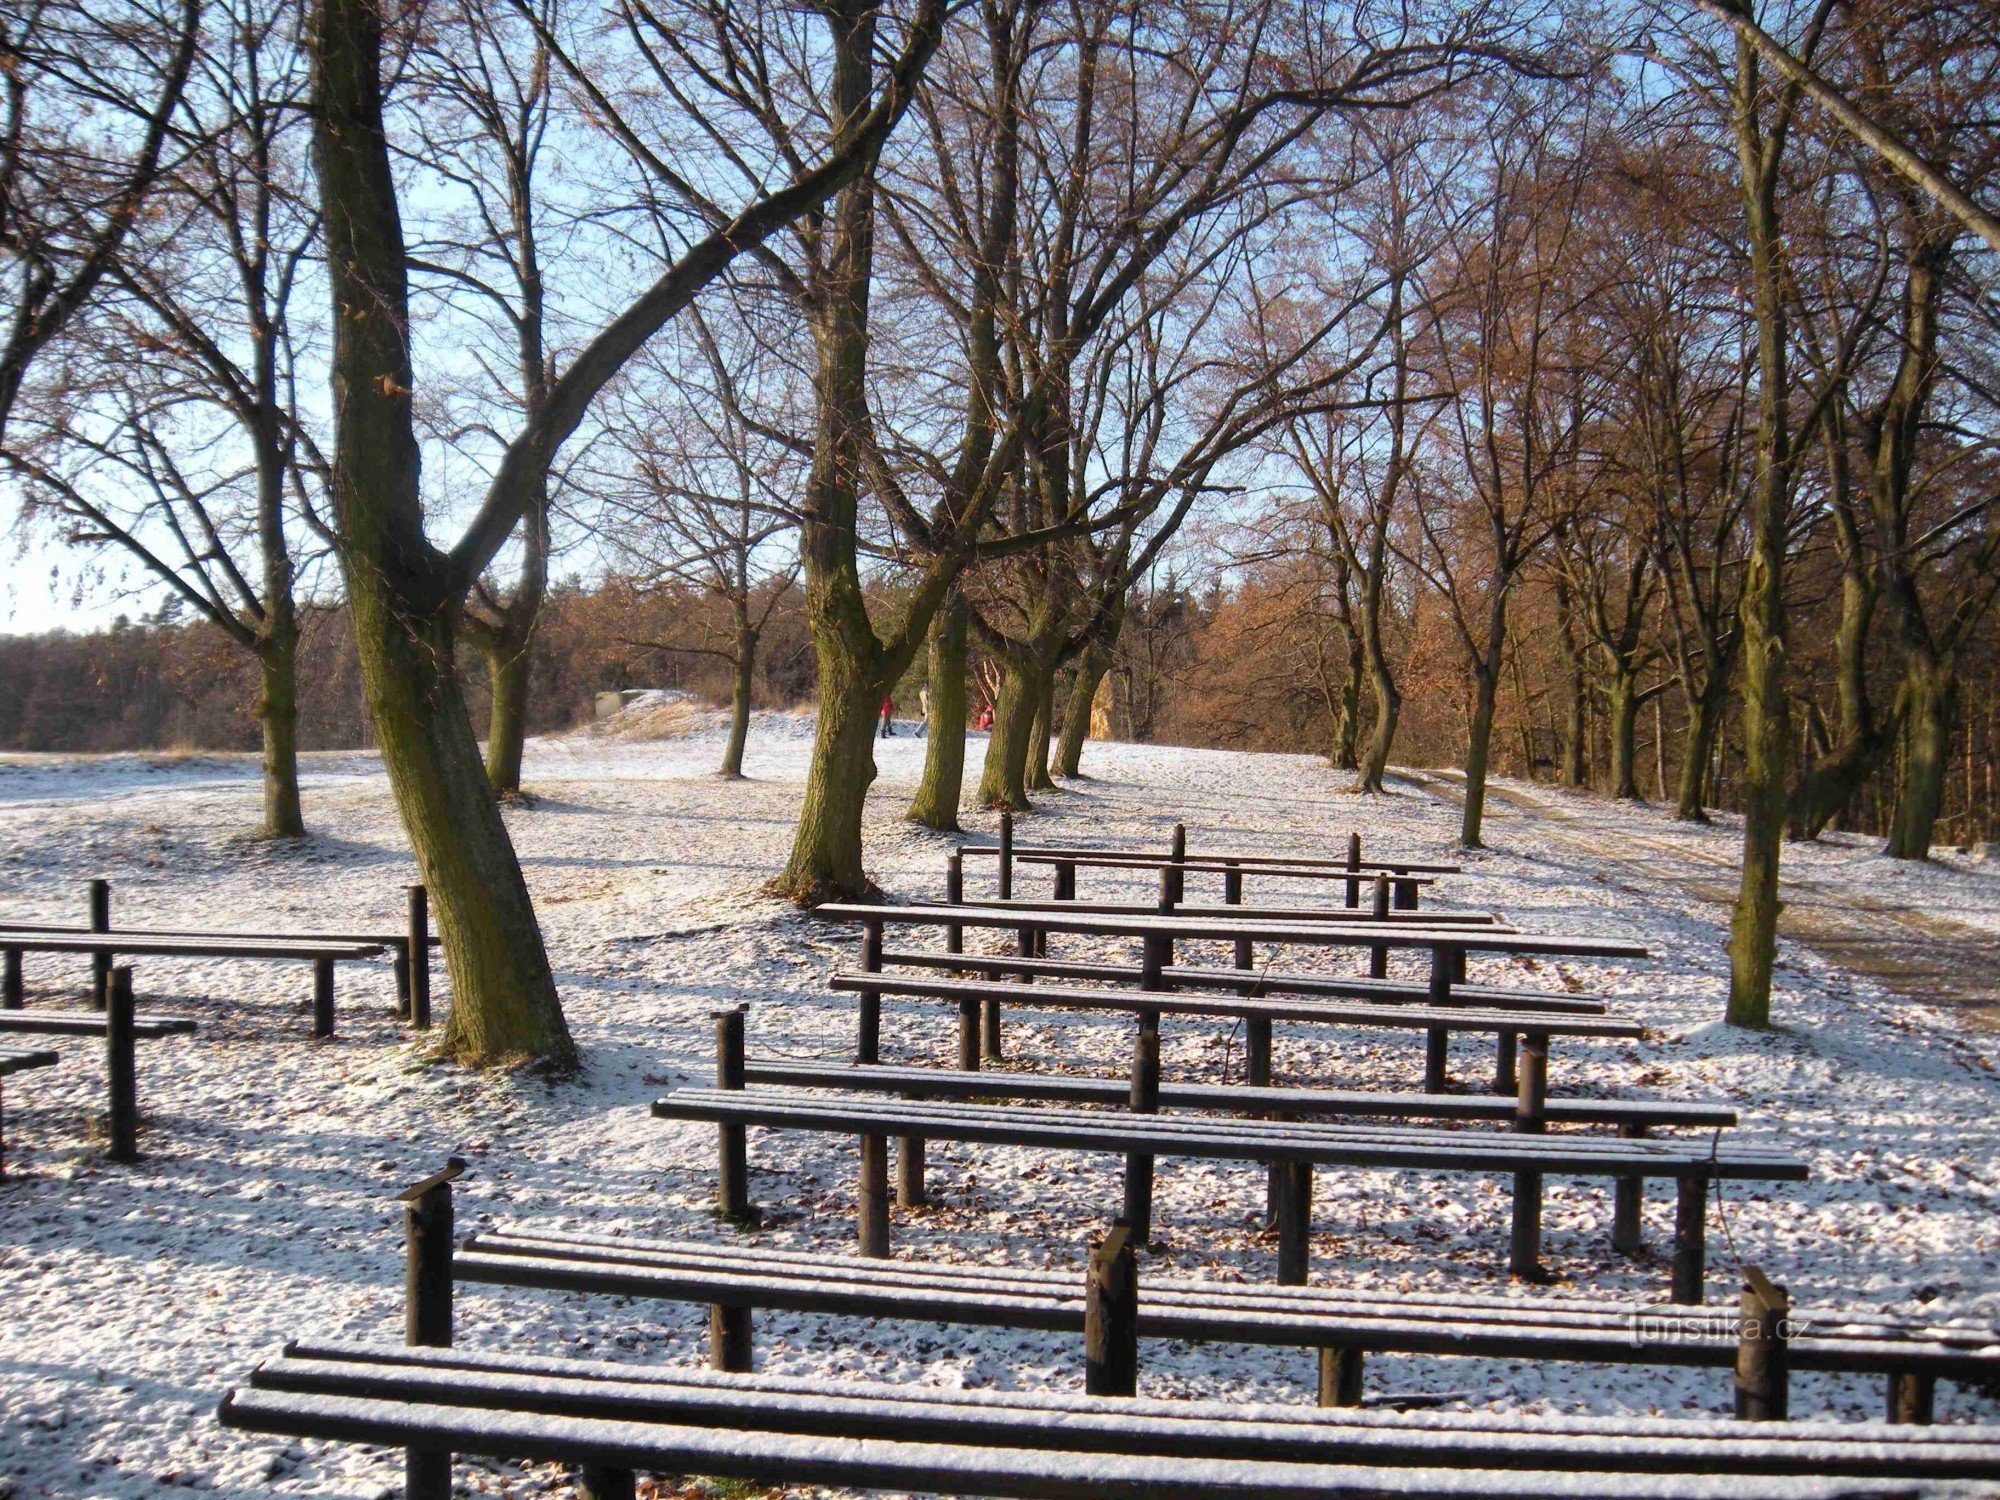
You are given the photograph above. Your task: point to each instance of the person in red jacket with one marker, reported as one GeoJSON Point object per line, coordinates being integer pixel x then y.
{"type": "Point", "coordinates": [888, 717]}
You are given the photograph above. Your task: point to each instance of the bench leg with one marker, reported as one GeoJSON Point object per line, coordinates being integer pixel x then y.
{"type": "Point", "coordinates": [1437, 1060]}
{"type": "Point", "coordinates": [322, 997]}
{"type": "Point", "coordinates": [1505, 1049]}
{"type": "Point", "coordinates": [1340, 1377]}
{"type": "Point", "coordinates": [1295, 1187]}
{"type": "Point", "coordinates": [968, 1035]}
{"type": "Point", "coordinates": [1690, 1239]}
{"type": "Point", "coordinates": [873, 1198]}
{"type": "Point", "coordinates": [1912, 1398]}
{"type": "Point", "coordinates": [426, 1475]}
{"type": "Point", "coordinates": [729, 1330]}
{"type": "Point", "coordinates": [13, 993]}
{"type": "Point", "coordinates": [121, 1069]}
{"type": "Point", "coordinates": [989, 1030]}
{"type": "Point", "coordinates": [910, 1172]}
{"type": "Point", "coordinates": [1257, 1057]}
{"type": "Point", "coordinates": [401, 964]}
{"type": "Point", "coordinates": [1628, 1201]}
{"type": "Point", "coordinates": [595, 1482]}
{"type": "Point", "coordinates": [1524, 1246]}
{"type": "Point", "coordinates": [1139, 1196]}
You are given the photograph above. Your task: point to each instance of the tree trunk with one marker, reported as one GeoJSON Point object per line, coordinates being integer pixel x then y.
{"type": "Point", "coordinates": [1040, 735]}
{"type": "Point", "coordinates": [1753, 941]}
{"type": "Point", "coordinates": [1344, 752]}
{"type": "Point", "coordinates": [1622, 714]}
{"type": "Point", "coordinates": [1090, 672]}
{"type": "Point", "coordinates": [405, 608]}
{"type": "Point", "coordinates": [278, 713]}
{"type": "Point", "coordinates": [1860, 744]}
{"type": "Point", "coordinates": [1478, 749]}
{"type": "Point", "coordinates": [744, 680]}
{"type": "Point", "coordinates": [508, 658]}
{"type": "Point", "coordinates": [936, 802]}
{"type": "Point", "coordinates": [826, 851]}
{"type": "Point", "coordinates": [1704, 718]}
{"type": "Point", "coordinates": [1003, 780]}
{"type": "Point", "coordinates": [1928, 701]}
{"type": "Point", "coordinates": [1388, 698]}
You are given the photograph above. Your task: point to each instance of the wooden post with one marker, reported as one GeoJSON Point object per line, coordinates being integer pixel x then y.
{"type": "Point", "coordinates": [400, 962]}
{"type": "Point", "coordinates": [1406, 892]}
{"type": "Point", "coordinates": [1006, 856]}
{"type": "Point", "coordinates": [954, 895]}
{"type": "Point", "coordinates": [1294, 1221]}
{"type": "Point", "coordinates": [1353, 881]}
{"type": "Point", "coordinates": [1437, 1040]}
{"type": "Point", "coordinates": [1340, 1377]}
{"type": "Point", "coordinates": [968, 1035]}
{"type": "Point", "coordinates": [729, 1338]}
{"type": "Point", "coordinates": [989, 1030]}
{"type": "Point", "coordinates": [1144, 1100]}
{"type": "Point", "coordinates": [910, 1172]}
{"type": "Point", "coordinates": [100, 963]}
{"type": "Point", "coordinates": [427, 1235]}
{"type": "Point", "coordinates": [1530, 1118]}
{"type": "Point", "coordinates": [868, 1040]}
{"type": "Point", "coordinates": [13, 993]}
{"type": "Point", "coordinates": [1628, 1198]}
{"type": "Point", "coordinates": [1378, 954]}
{"type": "Point", "coordinates": [596, 1482]}
{"type": "Point", "coordinates": [1505, 1046]}
{"type": "Point", "coordinates": [1763, 1360]}
{"type": "Point", "coordinates": [121, 1073]}
{"type": "Point", "coordinates": [731, 1146]}
{"type": "Point", "coordinates": [1912, 1398]}
{"type": "Point", "coordinates": [872, 1198]}
{"type": "Point", "coordinates": [418, 936]}
{"type": "Point", "coordinates": [1177, 884]}
{"type": "Point", "coordinates": [1111, 1316]}
{"type": "Point", "coordinates": [1690, 1237]}
{"type": "Point", "coordinates": [1065, 880]}
{"type": "Point", "coordinates": [322, 997]}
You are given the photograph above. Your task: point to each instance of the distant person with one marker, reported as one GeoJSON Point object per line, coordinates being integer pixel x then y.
{"type": "Point", "coordinates": [888, 718]}
{"type": "Point", "coordinates": [986, 716]}
{"type": "Point", "coordinates": [923, 710]}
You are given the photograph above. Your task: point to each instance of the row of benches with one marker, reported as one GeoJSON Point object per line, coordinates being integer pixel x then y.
{"type": "Point", "coordinates": [614, 1420]}
{"type": "Point", "coordinates": [105, 944]}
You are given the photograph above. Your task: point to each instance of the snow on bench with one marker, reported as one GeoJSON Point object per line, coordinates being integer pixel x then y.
{"type": "Point", "coordinates": [1344, 1325]}
{"type": "Point", "coordinates": [1295, 1146]}
{"type": "Point", "coordinates": [617, 1419]}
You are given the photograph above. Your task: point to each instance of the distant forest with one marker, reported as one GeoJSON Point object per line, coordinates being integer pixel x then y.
{"type": "Point", "coordinates": [1247, 667]}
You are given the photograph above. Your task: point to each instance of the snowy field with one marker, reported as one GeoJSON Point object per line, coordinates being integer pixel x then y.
{"type": "Point", "coordinates": [263, 1208]}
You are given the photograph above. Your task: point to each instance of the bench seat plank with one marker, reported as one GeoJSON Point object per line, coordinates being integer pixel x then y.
{"type": "Point", "coordinates": [1053, 852]}
{"type": "Point", "coordinates": [23, 1059]}
{"type": "Point", "coordinates": [1252, 913]}
{"type": "Point", "coordinates": [1406, 1017]}
{"type": "Point", "coordinates": [1296, 1317]}
{"type": "Point", "coordinates": [1068, 1088]}
{"type": "Point", "coordinates": [1130, 1427]}
{"type": "Point", "coordinates": [1226, 1139]}
{"type": "Point", "coordinates": [379, 939]}
{"type": "Point", "coordinates": [1308, 934]}
{"type": "Point", "coordinates": [172, 945]}
{"type": "Point", "coordinates": [1258, 983]}
{"type": "Point", "coordinates": [89, 1023]}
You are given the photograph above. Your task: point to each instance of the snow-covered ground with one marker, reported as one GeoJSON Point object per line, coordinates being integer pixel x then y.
{"type": "Point", "coordinates": [263, 1208]}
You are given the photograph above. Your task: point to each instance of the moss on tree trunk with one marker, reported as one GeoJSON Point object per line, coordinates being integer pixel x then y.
{"type": "Point", "coordinates": [1003, 779]}
{"type": "Point", "coordinates": [278, 714]}
{"type": "Point", "coordinates": [509, 659]}
{"type": "Point", "coordinates": [1090, 671]}
{"type": "Point", "coordinates": [936, 802]}
{"type": "Point", "coordinates": [1928, 699]}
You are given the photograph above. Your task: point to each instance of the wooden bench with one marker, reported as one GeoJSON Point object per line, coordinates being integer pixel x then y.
{"type": "Point", "coordinates": [1254, 982]}
{"type": "Point", "coordinates": [21, 1060]}
{"type": "Point", "coordinates": [322, 953]}
{"type": "Point", "coordinates": [1437, 1023]}
{"type": "Point", "coordinates": [409, 947]}
{"type": "Point", "coordinates": [614, 1420]}
{"type": "Point", "coordinates": [121, 1027]}
{"type": "Point", "coordinates": [1345, 1326]}
{"type": "Point", "coordinates": [1297, 1147]}
{"type": "Point", "coordinates": [1353, 871]}
{"type": "Point", "coordinates": [1158, 934]}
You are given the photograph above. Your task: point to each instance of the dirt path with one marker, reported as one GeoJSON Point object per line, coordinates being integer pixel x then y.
{"type": "Point", "coordinates": [1913, 953]}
